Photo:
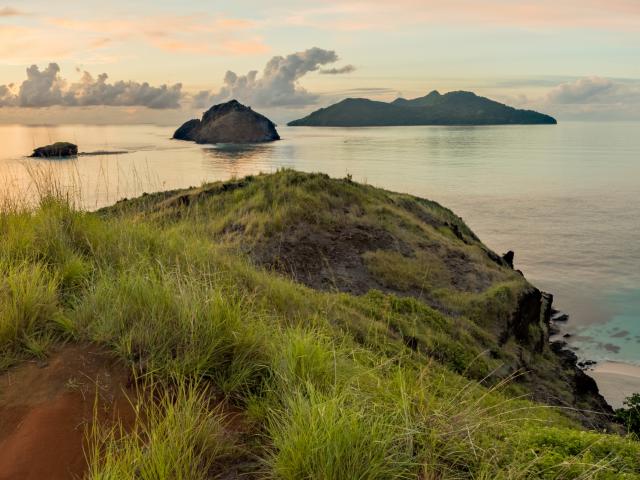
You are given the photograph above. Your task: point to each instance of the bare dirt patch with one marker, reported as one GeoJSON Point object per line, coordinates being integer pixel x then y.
{"type": "Point", "coordinates": [46, 407]}
{"type": "Point", "coordinates": [328, 258]}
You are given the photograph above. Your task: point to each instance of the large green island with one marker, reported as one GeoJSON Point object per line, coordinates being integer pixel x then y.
{"type": "Point", "coordinates": [287, 326]}
{"type": "Point", "coordinates": [453, 108]}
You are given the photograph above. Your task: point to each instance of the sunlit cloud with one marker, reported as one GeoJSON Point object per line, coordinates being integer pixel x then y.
{"type": "Point", "coordinates": [23, 45]}
{"type": "Point", "coordinates": [46, 88]}
{"type": "Point", "coordinates": [277, 86]}
{"type": "Point", "coordinates": [192, 34]}
{"type": "Point", "coordinates": [351, 15]}
{"type": "Point", "coordinates": [10, 12]}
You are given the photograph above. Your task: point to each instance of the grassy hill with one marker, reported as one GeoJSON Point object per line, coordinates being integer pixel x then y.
{"type": "Point", "coordinates": [453, 108]}
{"type": "Point", "coordinates": [296, 326]}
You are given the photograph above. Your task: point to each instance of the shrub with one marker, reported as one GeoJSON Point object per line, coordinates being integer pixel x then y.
{"type": "Point", "coordinates": [629, 415]}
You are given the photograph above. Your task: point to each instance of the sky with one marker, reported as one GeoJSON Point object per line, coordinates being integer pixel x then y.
{"type": "Point", "coordinates": [161, 61]}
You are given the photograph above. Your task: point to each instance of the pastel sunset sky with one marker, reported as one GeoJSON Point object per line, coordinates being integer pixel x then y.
{"type": "Point", "coordinates": [576, 59]}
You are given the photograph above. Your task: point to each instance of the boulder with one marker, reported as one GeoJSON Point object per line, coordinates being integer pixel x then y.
{"type": "Point", "coordinates": [56, 150]}
{"type": "Point", "coordinates": [229, 122]}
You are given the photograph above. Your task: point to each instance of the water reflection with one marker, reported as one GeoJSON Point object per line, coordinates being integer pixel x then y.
{"type": "Point", "coordinates": [235, 152]}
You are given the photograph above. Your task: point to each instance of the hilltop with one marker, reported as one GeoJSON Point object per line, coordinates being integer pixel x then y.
{"type": "Point", "coordinates": [453, 108]}
{"type": "Point", "coordinates": [290, 326]}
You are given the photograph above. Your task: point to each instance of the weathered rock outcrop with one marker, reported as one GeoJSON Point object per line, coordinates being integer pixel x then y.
{"type": "Point", "coordinates": [229, 122]}
{"type": "Point", "coordinates": [56, 150]}
{"type": "Point", "coordinates": [550, 367]}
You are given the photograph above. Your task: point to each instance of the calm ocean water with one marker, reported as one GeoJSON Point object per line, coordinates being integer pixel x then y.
{"type": "Point", "coordinates": [565, 198]}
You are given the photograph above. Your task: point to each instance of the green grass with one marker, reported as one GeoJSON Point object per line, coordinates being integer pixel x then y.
{"type": "Point", "coordinates": [329, 385]}
{"type": "Point", "coordinates": [176, 435]}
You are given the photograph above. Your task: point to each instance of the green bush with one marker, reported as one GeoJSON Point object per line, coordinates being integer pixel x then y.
{"type": "Point", "coordinates": [629, 415]}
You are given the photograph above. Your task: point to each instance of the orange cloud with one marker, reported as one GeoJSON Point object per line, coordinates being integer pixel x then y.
{"type": "Point", "coordinates": [20, 45]}
{"type": "Point", "coordinates": [184, 34]}
{"type": "Point", "coordinates": [10, 12]}
{"type": "Point", "coordinates": [528, 14]}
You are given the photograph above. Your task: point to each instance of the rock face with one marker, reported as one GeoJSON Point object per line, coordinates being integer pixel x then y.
{"type": "Point", "coordinates": [229, 122]}
{"type": "Point", "coordinates": [508, 258]}
{"type": "Point", "coordinates": [56, 150]}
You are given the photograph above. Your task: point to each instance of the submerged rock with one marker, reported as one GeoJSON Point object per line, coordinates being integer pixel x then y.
{"type": "Point", "coordinates": [229, 122]}
{"type": "Point", "coordinates": [56, 150]}
{"type": "Point", "coordinates": [560, 317]}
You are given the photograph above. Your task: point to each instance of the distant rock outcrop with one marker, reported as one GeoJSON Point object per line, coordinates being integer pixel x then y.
{"type": "Point", "coordinates": [56, 150]}
{"type": "Point", "coordinates": [229, 122]}
{"type": "Point", "coordinates": [453, 108]}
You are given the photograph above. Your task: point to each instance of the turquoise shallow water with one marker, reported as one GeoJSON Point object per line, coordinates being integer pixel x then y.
{"type": "Point", "coordinates": [565, 198]}
{"type": "Point", "coordinates": [617, 338]}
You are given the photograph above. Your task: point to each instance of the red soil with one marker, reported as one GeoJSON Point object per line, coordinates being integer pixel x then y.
{"type": "Point", "coordinates": [45, 410]}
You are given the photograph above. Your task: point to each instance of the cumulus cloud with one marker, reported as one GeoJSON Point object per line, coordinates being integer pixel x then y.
{"type": "Point", "coordinates": [42, 88]}
{"type": "Point", "coordinates": [594, 98]}
{"type": "Point", "coordinates": [99, 91]}
{"type": "Point", "coordinates": [46, 88]}
{"type": "Point", "coordinates": [583, 90]}
{"type": "Point", "coordinates": [338, 71]}
{"type": "Point", "coordinates": [7, 97]}
{"type": "Point", "coordinates": [277, 86]}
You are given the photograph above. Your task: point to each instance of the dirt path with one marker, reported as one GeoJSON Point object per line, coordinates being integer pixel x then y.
{"type": "Point", "coordinates": [46, 407]}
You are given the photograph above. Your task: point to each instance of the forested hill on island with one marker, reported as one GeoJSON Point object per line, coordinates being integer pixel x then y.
{"type": "Point", "coordinates": [453, 108]}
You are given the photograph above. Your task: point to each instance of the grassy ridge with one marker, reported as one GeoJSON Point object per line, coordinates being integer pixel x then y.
{"type": "Point", "coordinates": [329, 384]}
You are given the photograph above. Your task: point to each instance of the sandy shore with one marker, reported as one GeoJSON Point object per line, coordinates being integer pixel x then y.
{"type": "Point", "coordinates": [616, 381]}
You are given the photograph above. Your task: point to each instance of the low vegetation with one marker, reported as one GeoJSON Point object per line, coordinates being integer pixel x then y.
{"type": "Point", "coordinates": [629, 414]}
{"type": "Point", "coordinates": [242, 368]}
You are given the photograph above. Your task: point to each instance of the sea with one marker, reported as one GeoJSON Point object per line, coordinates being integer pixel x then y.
{"type": "Point", "coordinates": [565, 198]}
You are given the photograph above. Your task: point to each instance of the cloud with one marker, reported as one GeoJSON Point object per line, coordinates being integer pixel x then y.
{"type": "Point", "coordinates": [277, 86]}
{"type": "Point", "coordinates": [46, 88]}
{"type": "Point", "coordinates": [190, 34]}
{"type": "Point", "coordinates": [90, 91]}
{"type": "Point", "coordinates": [583, 90]}
{"type": "Point", "coordinates": [592, 98]}
{"type": "Point", "coordinates": [338, 71]}
{"type": "Point", "coordinates": [10, 12]}
{"type": "Point", "coordinates": [42, 88]}
{"type": "Point", "coordinates": [367, 91]}
{"type": "Point", "coordinates": [350, 15]}
{"type": "Point", "coordinates": [7, 97]}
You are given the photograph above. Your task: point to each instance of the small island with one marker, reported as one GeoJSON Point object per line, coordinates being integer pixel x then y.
{"type": "Point", "coordinates": [229, 122]}
{"type": "Point", "coordinates": [56, 150]}
{"type": "Point", "coordinates": [453, 108]}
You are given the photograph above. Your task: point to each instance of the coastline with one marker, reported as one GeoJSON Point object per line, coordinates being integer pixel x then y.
{"type": "Point", "coordinates": [616, 380]}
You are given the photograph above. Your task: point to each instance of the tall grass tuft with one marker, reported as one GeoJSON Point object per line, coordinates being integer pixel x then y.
{"type": "Point", "coordinates": [318, 436]}
{"type": "Point", "coordinates": [176, 435]}
{"type": "Point", "coordinates": [28, 303]}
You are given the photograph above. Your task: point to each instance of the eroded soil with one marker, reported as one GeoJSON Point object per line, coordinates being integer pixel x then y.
{"type": "Point", "coordinates": [47, 406]}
